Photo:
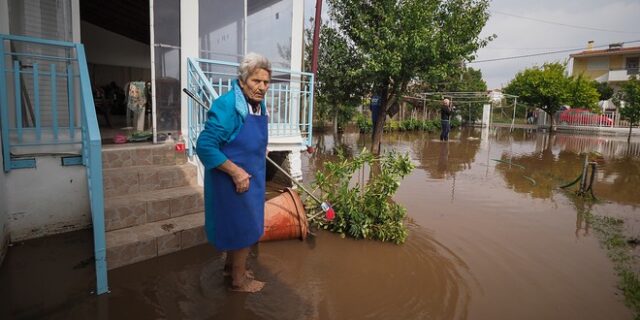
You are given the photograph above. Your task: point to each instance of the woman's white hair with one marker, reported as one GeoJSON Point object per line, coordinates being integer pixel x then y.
{"type": "Point", "coordinates": [252, 62]}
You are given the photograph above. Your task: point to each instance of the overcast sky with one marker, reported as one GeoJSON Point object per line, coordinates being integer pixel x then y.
{"type": "Point", "coordinates": [520, 36]}
{"type": "Point", "coordinates": [514, 22]}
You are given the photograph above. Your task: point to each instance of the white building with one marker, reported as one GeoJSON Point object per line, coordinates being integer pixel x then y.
{"type": "Point", "coordinates": [52, 180]}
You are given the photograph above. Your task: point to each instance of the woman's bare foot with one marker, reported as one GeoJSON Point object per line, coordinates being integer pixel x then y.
{"type": "Point", "coordinates": [247, 285]}
{"type": "Point", "coordinates": [226, 272]}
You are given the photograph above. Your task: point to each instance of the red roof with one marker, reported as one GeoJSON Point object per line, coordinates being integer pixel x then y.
{"type": "Point", "coordinates": [606, 52]}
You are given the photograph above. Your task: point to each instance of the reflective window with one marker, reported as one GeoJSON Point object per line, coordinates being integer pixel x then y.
{"type": "Point", "coordinates": [166, 21]}
{"type": "Point", "coordinates": [47, 19]}
{"type": "Point", "coordinates": [221, 29]}
{"type": "Point", "coordinates": [269, 30]}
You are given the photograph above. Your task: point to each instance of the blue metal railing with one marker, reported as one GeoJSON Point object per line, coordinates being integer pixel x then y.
{"type": "Point", "coordinates": [197, 83]}
{"type": "Point", "coordinates": [47, 127]}
{"type": "Point", "coordinates": [289, 99]}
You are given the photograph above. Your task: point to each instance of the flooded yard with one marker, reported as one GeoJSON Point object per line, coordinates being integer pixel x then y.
{"type": "Point", "coordinates": [487, 239]}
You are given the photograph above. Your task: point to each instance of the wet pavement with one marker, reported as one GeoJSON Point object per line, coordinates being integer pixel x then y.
{"type": "Point", "coordinates": [487, 240]}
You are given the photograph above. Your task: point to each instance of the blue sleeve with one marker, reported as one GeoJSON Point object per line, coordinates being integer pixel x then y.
{"type": "Point", "coordinates": [217, 132]}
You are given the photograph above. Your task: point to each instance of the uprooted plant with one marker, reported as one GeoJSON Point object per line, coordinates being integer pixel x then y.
{"type": "Point", "coordinates": [365, 209]}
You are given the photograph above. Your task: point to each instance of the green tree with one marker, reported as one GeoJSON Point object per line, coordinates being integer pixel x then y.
{"type": "Point", "coordinates": [401, 41]}
{"type": "Point", "coordinates": [583, 93]}
{"type": "Point", "coordinates": [605, 91]}
{"type": "Point", "coordinates": [339, 85]}
{"type": "Point", "coordinates": [470, 80]}
{"type": "Point", "coordinates": [630, 94]}
{"type": "Point", "coordinates": [545, 87]}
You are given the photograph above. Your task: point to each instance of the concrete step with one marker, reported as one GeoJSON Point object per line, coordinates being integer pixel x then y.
{"type": "Point", "coordinates": [130, 180]}
{"type": "Point", "coordinates": [140, 208]}
{"type": "Point", "coordinates": [150, 240]}
{"type": "Point", "coordinates": [140, 154]}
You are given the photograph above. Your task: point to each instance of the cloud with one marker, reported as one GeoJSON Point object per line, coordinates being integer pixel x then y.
{"type": "Point", "coordinates": [518, 36]}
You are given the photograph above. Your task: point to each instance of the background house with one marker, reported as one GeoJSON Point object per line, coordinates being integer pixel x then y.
{"type": "Point", "coordinates": [613, 65]}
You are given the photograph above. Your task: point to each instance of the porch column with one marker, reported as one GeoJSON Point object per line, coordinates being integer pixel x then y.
{"type": "Point", "coordinates": [297, 49]}
{"type": "Point", "coordinates": [75, 21]}
{"type": "Point", "coordinates": [4, 16]}
{"type": "Point", "coordinates": [189, 48]}
{"type": "Point", "coordinates": [297, 35]}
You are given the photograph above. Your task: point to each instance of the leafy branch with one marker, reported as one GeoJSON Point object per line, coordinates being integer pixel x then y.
{"type": "Point", "coordinates": [365, 209]}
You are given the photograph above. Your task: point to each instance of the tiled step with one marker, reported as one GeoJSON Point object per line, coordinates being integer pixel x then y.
{"type": "Point", "coordinates": [130, 180]}
{"type": "Point", "coordinates": [132, 155]}
{"type": "Point", "coordinates": [140, 208]}
{"type": "Point", "coordinates": [149, 240]}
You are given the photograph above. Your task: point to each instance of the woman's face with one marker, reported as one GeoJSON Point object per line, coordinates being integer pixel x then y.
{"type": "Point", "coordinates": [256, 86]}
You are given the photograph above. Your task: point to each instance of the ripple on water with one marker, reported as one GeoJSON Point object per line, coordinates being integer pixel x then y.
{"type": "Point", "coordinates": [360, 279]}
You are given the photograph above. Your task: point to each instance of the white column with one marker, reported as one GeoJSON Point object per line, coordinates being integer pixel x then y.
{"type": "Point", "coordinates": [75, 21]}
{"type": "Point", "coordinates": [189, 48]}
{"type": "Point", "coordinates": [486, 115]}
{"type": "Point", "coordinates": [4, 16]}
{"type": "Point", "coordinates": [295, 164]}
{"type": "Point", "coordinates": [297, 35]}
{"type": "Point", "coordinates": [297, 49]}
{"type": "Point", "coordinates": [244, 28]}
{"type": "Point", "coordinates": [152, 59]}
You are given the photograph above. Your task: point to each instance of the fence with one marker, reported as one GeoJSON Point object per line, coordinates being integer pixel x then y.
{"type": "Point", "coordinates": [578, 119]}
{"type": "Point", "coordinates": [289, 99]}
{"type": "Point", "coordinates": [46, 107]}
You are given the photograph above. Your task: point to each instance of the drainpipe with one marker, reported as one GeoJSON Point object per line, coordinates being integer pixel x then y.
{"type": "Point", "coordinates": [316, 38]}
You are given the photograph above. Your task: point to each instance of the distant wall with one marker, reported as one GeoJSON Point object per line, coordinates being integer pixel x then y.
{"type": "Point", "coordinates": [46, 200]}
{"type": "Point", "coordinates": [105, 47]}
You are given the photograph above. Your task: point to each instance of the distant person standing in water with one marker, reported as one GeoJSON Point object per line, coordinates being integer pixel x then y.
{"type": "Point", "coordinates": [445, 119]}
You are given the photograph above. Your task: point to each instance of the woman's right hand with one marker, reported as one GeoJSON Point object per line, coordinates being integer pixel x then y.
{"type": "Point", "coordinates": [241, 179]}
{"type": "Point", "coordinates": [238, 175]}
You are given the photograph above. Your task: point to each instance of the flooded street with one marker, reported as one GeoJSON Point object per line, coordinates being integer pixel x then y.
{"type": "Point", "coordinates": [517, 242]}
{"type": "Point", "coordinates": [487, 240]}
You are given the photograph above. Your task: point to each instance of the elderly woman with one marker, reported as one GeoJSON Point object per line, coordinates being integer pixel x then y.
{"type": "Point", "coordinates": [232, 148]}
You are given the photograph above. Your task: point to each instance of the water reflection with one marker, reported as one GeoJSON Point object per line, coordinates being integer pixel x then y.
{"type": "Point", "coordinates": [609, 147]}
{"type": "Point", "coordinates": [582, 208]}
{"type": "Point", "coordinates": [518, 250]}
{"type": "Point", "coordinates": [559, 159]}
{"type": "Point", "coordinates": [454, 156]}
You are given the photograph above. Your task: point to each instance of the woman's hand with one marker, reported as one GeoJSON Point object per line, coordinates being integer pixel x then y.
{"type": "Point", "coordinates": [241, 179]}
{"type": "Point", "coordinates": [238, 175]}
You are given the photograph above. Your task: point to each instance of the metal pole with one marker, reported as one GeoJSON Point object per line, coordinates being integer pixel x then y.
{"type": "Point", "coordinates": [583, 179]}
{"type": "Point", "coordinates": [154, 116]}
{"type": "Point", "coordinates": [293, 180]}
{"type": "Point", "coordinates": [316, 37]}
{"type": "Point", "coordinates": [513, 119]}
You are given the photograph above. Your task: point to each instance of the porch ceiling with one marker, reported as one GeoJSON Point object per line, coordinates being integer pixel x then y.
{"type": "Point", "coordinates": [126, 18]}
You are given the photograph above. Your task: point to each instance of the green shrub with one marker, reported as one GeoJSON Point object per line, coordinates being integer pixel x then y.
{"type": "Point", "coordinates": [365, 211]}
{"type": "Point", "coordinates": [364, 124]}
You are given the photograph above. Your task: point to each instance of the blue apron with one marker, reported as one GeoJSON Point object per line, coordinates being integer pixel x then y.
{"type": "Point", "coordinates": [236, 220]}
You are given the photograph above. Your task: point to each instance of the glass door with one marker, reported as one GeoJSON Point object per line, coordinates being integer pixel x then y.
{"type": "Point", "coordinates": [165, 67]}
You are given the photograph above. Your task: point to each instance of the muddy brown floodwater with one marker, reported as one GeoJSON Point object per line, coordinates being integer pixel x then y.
{"type": "Point", "coordinates": [488, 240]}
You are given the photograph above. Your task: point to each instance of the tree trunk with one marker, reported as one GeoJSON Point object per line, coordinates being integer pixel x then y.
{"type": "Point", "coordinates": [630, 128]}
{"type": "Point", "coordinates": [378, 128]}
{"type": "Point", "coordinates": [335, 124]}
{"type": "Point", "coordinates": [551, 123]}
